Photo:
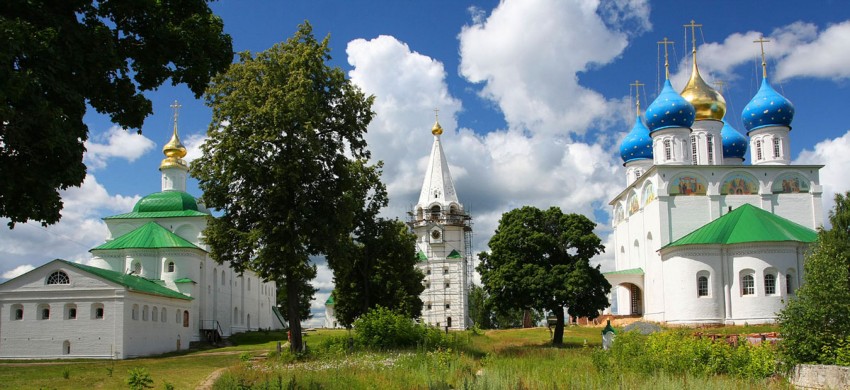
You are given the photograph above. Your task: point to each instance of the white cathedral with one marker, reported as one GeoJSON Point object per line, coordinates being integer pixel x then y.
{"type": "Point", "coordinates": [699, 237]}
{"type": "Point", "coordinates": [150, 288]}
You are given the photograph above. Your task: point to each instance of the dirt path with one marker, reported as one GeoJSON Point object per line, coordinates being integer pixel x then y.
{"type": "Point", "coordinates": [208, 383]}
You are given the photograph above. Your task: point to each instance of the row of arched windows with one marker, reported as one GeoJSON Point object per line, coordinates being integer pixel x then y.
{"type": "Point", "coordinates": [44, 312]}
{"type": "Point", "coordinates": [158, 314]}
{"type": "Point", "coordinates": [770, 279]}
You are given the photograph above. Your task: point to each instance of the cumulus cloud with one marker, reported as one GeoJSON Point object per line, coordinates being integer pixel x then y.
{"type": "Point", "coordinates": [115, 143]}
{"type": "Point", "coordinates": [832, 153]}
{"type": "Point", "coordinates": [17, 271]}
{"type": "Point", "coordinates": [193, 144]}
{"type": "Point", "coordinates": [527, 55]}
{"type": "Point", "coordinates": [80, 228]}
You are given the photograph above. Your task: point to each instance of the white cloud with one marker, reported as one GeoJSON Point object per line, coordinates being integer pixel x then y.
{"type": "Point", "coordinates": [17, 271]}
{"type": "Point", "coordinates": [832, 153]}
{"type": "Point", "coordinates": [80, 228]}
{"type": "Point", "coordinates": [826, 56]}
{"type": "Point", "coordinates": [193, 144]}
{"type": "Point", "coordinates": [528, 54]}
{"type": "Point", "coordinates": [117, 143]}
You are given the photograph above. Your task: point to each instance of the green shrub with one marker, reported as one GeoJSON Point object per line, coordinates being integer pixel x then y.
{"type": "Point", "coordinates": [66, 373]}
{"type": "Point", "coordinates": [382, 329]}
{"type": "Point", "coordinates": [677, 352]}
{"type": "Point", "coordinates": [138, 378]}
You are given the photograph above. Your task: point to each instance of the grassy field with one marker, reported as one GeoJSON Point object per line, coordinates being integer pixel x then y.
{"type": "Point", "coordinates": [516, 359]}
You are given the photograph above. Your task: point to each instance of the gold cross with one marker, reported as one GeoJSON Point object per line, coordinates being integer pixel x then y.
{"type": "Point", "coordinates": [693, 27]}
{"type": "Point", "coordinates": [761, 42]}
{"type": "Point", "coordinates": [437, 114]}
{"type": "Point", "coordinates": [637, 84]}
{"type": "Point", "coordinates": [666, 42]}
{"type": "Point", "coordinates": [176, 106]}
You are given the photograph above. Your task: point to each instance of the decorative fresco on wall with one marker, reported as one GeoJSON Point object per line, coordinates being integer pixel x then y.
{"type": "Point", "coordinates": [618, 214]}
{"type": "Point", "coordinates": [790, 183]}
{"type": "Point", "coordinates": [687, 185]}
{"type": "Point", "coordinates": [739, 184]}
{"type": "Point", "coordinates": [648, 193]}
{"type": "Point", "coordinates": [634, 205]}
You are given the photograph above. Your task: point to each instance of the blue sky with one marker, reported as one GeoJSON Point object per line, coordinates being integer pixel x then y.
{"type": "Point", "coordinates": [534, 96]}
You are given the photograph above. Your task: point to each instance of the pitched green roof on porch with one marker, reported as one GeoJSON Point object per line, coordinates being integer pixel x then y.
{"type": "Point", "coordinates": [631, 271]}
{"type": "Point", "coordinates": [746, 224]}
{"type": "Point", "coordinates": [131, 282]}
{"type": "Point", "coordinates": [148, 236]}
{"type": "Point", "coordinates": [454, 255]}
{"type": "Point", "coordinates": [421, 256]}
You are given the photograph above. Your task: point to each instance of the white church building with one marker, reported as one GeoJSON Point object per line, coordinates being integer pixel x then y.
{"type": "Point", "coordinates": [699, 237]}
{"type": "Point", "coordinates": [150, 288]}
{"type": "Point", "coordinates": [443, 244]}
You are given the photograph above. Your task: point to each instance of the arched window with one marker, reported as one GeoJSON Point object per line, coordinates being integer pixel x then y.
{"type": "Point", "coordinates": [58, 277]}
{"type": "Point", "coordinates": [449, 322]}
{"type": "Point", "coordinates": [435, 212]}
{"type": "Point", "coordinates": [170, 266]}
{"type": "Point", "coordinates": [769, 284]}
{"type": "Point", "coordinates": [222, 277]}
{"type": "Point", "coordinates": [134, 314]}
{"type": "Point", "coordinates": [154, 314]}
{"type": "Point", "coordinates": [777, 147]}
{"type": "Point", "coordinates": [758, 150]}
{"type": "Point", "coordinates": [710, 140]}
{"type": "Point", "coordinates": [162, 315]}
{"type": "Point", "coordinates": [70, 311]}
{"type": "Point", "coordinates": [748, 285]}
{"type": "Point", "coordinates": [44, 312]}
{"type": "Point", "coordinates": [789, 282]}
{"type": "Point", "coordinates": [668, 150]}
{"type": "Point", "coordinates": [694, 154]}
{"type": "Point", "coordinates": [185, 318]}
{"type": "Point", "coordinates": [145, 313]}
{"type": "Point", "coordinates": [702, 286]}
{"type": "Point", "coordinates": [17, 312]}
{"type": "Point", "coordinates": [66, 347]}
{"type": "Point", "coordinates": [97, 311]}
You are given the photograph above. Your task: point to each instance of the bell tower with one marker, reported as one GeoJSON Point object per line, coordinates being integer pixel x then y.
{"type": "Point", "coordinates": [443, 244]}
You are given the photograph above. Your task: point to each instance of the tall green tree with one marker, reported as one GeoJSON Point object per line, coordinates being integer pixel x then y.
{"type": "Point", "coordinates": [479, 310]}
{"type": "Point", "coordinates": [816, 323]}
{"type": "Point", "coordinates": [59, 56]}
{"type": "Point", "coordinates": [540, 259]}
{"type": "Point", "coordinates": [284, 161]}
{"type": "Point", "coordinates": [306, 292]}
{"type": "Point", "coordinates": [377, 268]}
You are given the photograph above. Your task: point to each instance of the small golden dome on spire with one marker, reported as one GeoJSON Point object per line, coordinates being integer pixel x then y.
{"type": "Point", "coordinates": [708, 103]}
{"type": "Point", "coordinates": [437, 129]}
{"type": "Point", "coordinates": [174, 150]}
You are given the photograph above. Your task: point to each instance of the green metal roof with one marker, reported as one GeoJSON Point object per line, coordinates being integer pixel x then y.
{"type": "Point", "coordinates": [279, 316]}
{"type": "Point", "coordinates": [184, 280]}
{"type": "Point", "coordinates": [421, 256]}
{"type": "Point", "coordinates": [148, 236]}
{"type": "Point", "coordinates": [631, 271]}
{"type": "Point", "coordinates": [131, 282]}
{"type": "Point", "coordinates": [747, 224]}
{"type": "Point", "coordinates": [165, 204]}
{"type": "Point", "coordinates": [454, 255]}
{"type": "Point", "coordinates": [330, 300]}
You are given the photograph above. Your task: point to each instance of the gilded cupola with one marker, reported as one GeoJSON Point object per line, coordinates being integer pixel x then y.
{"type": "Point", "coordinates": [707, 102]}
{"type": "Point", "coordinates": [174, 150]}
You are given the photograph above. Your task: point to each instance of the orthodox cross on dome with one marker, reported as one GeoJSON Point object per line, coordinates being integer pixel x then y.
{"type": "Point", "coordinates": [693, 27]}
{"type": "Point", "coordinates": [176, 106]}
{"type": "Point", "coordinates": [761, 42]}
{"type": "Point", "coordinates": [666, 42]}
{"type": "Point", "coordinates": [437, 129]}
{"type": "Point", "coordinates": [637, 84]}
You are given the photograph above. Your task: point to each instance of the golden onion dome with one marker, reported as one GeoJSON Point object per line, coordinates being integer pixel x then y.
{"type": "Point", "coordinates": [437, 129]}
{"type": "Point", "coordinates": [708, 103]}
{"type": "Point", "coordinates": [174, 152]}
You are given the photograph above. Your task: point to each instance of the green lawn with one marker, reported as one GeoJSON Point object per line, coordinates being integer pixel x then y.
{"type": "Point", "coordinates": [516, 358]}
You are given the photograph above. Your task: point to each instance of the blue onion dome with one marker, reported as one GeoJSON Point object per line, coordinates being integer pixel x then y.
{"type": "Point", "coordinates": [638, 144]}
{"type": "Point", "coordinates": [767, 108]}
{"type": "Point", "coordinates": [734, 143]}
{"type": "Point", "coordinates": [669, 109]}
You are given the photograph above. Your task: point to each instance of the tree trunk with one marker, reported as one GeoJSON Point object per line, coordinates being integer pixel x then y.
{"type": "Point", "coordinates": [558, 336]}
{"type": "Point", "coordinates": [292, 305]}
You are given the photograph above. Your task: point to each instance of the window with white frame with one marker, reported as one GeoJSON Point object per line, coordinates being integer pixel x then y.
{"type": "Point", "coordinates": [694, 150]}
{"type": "Point", "coordinates": [58, 277]}
{"type": "Point", "coordinates": [758, 150]}
{"type": "Point", "coordinates": [668, 150]}
{"type": "Point", "coordinates": [769, 284]}
{"type": "Point", "coordinates": [702, 286]}
{"type": "Point", "coordinates": [710, 144]}
{"type": "Point", "coordinates": [170, 266]}
{"type": "Point", "coordinates": [748, 285]}
{"type": "Point", "coordinates": [777, 147]}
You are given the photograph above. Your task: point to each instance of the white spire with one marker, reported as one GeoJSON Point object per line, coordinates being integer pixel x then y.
{"type": "Point", "coordinates": [438, 185]}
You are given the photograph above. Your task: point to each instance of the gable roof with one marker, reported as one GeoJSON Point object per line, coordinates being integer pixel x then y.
{"type": "Point", "coordinates": [747, 224]}
{"type": "Point", "coordinates": [148, 236]}
{"type": "Point", "coordinates": [454, 255]}
{"type": "Point", "coordinates": [131, 282]}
